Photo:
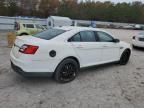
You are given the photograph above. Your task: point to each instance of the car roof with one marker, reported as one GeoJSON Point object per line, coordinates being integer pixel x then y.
{"type": "Point", "coordinates": [59, 18]}
{"type": "Point", "coordinates": [67, 28]}
{"type": "Point", "coordinates": [72, 30]}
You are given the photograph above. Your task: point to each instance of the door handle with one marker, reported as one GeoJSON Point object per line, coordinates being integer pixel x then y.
{"type": "Point", "coordinates": [79, 46]}
{"type": "Point", "coordinates": [105, 46]}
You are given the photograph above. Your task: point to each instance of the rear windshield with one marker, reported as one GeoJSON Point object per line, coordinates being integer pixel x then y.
{"type": "Point", "coordinates": [49, 34]}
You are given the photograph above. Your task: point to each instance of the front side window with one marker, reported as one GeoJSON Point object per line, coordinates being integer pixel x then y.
{"type": "Point", "coordinates": [87, 36]}
{"type": "Point", "coordinates": [29, 25]}
{"type": "Point", "coordinates": [49, 34]}
{"type": "Point", "coordinates": [104, 37]}
{"type": "Point", "coordinates": [84, 36]}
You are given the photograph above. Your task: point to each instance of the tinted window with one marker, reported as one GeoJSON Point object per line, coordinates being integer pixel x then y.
{"type": "Point", "coordinates": [104, 37]}
{"type": "Point", "coordinates": [29, 25]}
{"type": "Point", "coordinates": [75, 38]}
{"type": "Point", "coordinates": [87, 36]}
{"type": "Point", "coordinates": [49, 23]}
{"type": "Point", "coordinates": [49, 34]}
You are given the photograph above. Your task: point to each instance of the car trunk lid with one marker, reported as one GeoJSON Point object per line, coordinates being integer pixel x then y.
{"type": "Point", "coordinates": [20, 41]}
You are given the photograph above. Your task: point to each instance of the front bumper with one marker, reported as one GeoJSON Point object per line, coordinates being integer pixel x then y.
{"type": "Point", "coordinates": [138, 43]}
{"type": "Point", "coordinates": [30, 74]}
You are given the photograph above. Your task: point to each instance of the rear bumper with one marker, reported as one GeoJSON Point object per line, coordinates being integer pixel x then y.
{"type": "Point", "coordinates": [30, 74]}
{"type": "Point", "coordinates": [32, 66]}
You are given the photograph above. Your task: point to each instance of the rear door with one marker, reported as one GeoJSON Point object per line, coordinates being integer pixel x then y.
{"type": "Point", "coordinates": [87, 48]}
{"type": "Point", "coordinates": [110, 49]}
{"type": "Point", "coordinates": [31, 29]}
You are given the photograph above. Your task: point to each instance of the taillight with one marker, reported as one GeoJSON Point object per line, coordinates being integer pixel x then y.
{"type": "Point", "coordinates": [17, 26]}
{"type": "Point", "coordinates": [134, 37]}
{"type": "Point", "coordinates": [28, 49]}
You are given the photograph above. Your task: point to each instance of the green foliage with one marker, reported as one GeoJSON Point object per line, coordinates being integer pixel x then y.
{"type": "Point", "coordinates": [76, 9]}
{"type": "Point", "coordinates": [8, 8]}
{"type": "Point", "coordinates": [48, 7]}
{"type": "Point", "coordinates": [12, 8]}
{"type": "Point", "coordinates": [103, 11]}
{"type": "Point", "coordinates": [2, 8]}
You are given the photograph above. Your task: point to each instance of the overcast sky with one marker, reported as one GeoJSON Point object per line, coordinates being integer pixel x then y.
{"type": "Point", "coordinates": [116, 1]}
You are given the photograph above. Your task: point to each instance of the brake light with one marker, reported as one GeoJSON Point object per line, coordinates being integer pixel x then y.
{"type": "Point", "coordinates": [28, 49]}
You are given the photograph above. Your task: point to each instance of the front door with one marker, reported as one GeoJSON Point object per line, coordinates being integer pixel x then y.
{"type": "Point", "coordinates": [110, 49]}
{"type": "Point", "coordinates": [87, 48]}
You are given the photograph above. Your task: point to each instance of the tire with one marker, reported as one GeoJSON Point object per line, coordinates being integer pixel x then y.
{"type": "Point", "coordinates": [134, 46]}
{"type": "Point", "coordinates": [66, 71]}
{"type": "Point", "coordinates": [125, 57]}
{"type": "Point", "coordinates": [23, 34]}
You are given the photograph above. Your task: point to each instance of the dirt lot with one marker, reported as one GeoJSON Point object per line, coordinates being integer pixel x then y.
{"type": "Point", "coordinates": [109, 86]}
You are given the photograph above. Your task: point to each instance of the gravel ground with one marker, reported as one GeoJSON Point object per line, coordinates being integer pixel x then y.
{"type": "Point", "coordinates": [108, 86]}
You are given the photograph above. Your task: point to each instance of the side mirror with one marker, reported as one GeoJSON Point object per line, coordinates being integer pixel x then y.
{"type": "Point", "coordinates": [116, 40]}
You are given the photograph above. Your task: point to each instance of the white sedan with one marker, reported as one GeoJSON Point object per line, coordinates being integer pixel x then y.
{"type": "Point", "coordinates": [62, 51]}
{"type": "Point", "coordinates": [138, 41]}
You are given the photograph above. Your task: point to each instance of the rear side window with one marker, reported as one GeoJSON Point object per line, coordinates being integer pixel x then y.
{"type": "Point", "coordinates": [29, 25]}
{"type": "Point", "coordinates": [87, 36]}
{"type": "Point", "coordinates": [49, 34]}
{"type": "Point", "coordinates": [75, 38]}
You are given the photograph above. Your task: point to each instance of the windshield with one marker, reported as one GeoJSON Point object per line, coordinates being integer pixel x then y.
{"type": "Point", "coordinates": [49, 34]}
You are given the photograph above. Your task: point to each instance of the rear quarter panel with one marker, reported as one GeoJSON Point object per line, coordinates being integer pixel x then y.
{"type": "Point", "coordinates": [63, 50]}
